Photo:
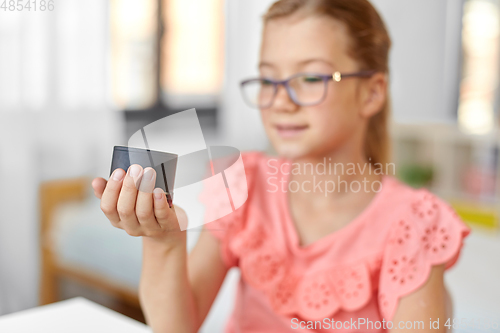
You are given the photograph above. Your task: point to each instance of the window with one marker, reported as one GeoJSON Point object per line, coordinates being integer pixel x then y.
{"type": "Point", "coordinates": [134, 43]}
{"type": "Point", "coordinates": [192, 51]}
{"type": "Point", "coordinates": [166, 54]}
{"type": "Point", "coordinates": [479, 87]}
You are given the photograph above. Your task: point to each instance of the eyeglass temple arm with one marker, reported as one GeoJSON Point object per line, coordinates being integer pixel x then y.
{"type": "Point", "coordinates": [337, 76]}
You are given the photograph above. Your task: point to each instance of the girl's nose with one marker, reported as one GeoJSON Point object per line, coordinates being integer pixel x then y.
{"type": "Point", "coordinates": [283, 102]}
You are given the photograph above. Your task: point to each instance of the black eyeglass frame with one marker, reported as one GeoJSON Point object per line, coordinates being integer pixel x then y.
{"type": "Point", "coordinates": [337, 77]}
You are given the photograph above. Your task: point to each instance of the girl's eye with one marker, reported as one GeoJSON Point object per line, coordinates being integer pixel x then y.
{"type": "Point", "coordinates": [266, 83]}
{"type": "Point", "coordinates": [311, 79]}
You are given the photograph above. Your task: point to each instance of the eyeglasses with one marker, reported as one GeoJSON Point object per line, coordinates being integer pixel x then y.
{"type": "Point", "coordinates": [304, 89]}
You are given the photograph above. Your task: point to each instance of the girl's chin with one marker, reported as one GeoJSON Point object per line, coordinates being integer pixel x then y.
{"type": "Point", "coordinates": [291, 151]}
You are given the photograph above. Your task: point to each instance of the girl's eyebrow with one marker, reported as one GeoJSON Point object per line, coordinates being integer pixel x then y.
{"type": "Point", "coordinates": [301, 63]}
{"type": "Point", "coordinates": [308, 61]}
{"type": "Point", "coordinates": [265, 64]}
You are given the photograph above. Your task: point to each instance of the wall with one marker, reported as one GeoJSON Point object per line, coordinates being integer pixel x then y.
{"type": "Point", "coordinates": [241, 124]}
{"type": "Point", "coordinates": [425, 59]}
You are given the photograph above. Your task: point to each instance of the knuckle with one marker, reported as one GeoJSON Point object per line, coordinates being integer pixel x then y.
{"type": "Point", "coordinates": [162, 217]}
{"type": "Point", "coordinates": [116, 225]}
{"type": "Point", "coordinates": [106, 208]}
{"type": "Point", "coordinates": [134, 232]}
{"type": "Point", "coordinates": [125, 212]}
{"type": "Point", "coordinates": [144, 214]}
{"type": "Point", "coordinates": [162, 213]}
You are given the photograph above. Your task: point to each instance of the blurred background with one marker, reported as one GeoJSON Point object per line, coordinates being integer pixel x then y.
{"type": "Point", "coordinates": [78, 77]}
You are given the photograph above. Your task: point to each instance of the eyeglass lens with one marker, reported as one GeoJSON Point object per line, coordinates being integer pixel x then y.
{"type": "Point", "coordinates": [304, 90]}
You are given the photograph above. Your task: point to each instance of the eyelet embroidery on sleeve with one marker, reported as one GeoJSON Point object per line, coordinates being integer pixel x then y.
{"type": "Point", "coordinates": [426, 208]}
{"type": "Point", "coordinates": [404, 233]}
{"type": "Point", "coordinates": [431, 234]}
{"type": "Point", "coordinates": [440, 237]}
{"type": "Point", "coordinates": [403, 270]}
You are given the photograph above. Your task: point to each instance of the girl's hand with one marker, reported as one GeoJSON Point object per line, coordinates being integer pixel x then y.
{"type": "Point", "coordinates": [131, 203]}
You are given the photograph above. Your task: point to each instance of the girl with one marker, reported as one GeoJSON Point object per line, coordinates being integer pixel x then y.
{"type": "Point", "coordinates": [359, 252]}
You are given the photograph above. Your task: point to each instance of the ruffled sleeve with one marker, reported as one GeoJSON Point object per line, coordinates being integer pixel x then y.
{"type": "Point", "coordinates": [430, 233]}
{"type": "Point", "coordinates": [224, 196]}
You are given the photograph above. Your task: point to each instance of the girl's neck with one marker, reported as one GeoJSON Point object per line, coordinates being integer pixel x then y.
{"type": "Point", "coordinates": [344, 172]}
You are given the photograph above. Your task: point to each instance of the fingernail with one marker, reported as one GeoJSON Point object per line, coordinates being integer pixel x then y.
{"type": "Point", "coordinates": [134, 170]}
{"type": "Point", "coordinates": [158, 193]}
{"type": "Point", "coordinates": [148, 174]}
{"type": "Point", "coordinates": [118, 174]}
{"type": "Point", "coordinates": [147, 182]}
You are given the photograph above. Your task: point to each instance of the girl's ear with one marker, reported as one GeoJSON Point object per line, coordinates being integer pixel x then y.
{"type": "Point", "coordinates": [375, 94]}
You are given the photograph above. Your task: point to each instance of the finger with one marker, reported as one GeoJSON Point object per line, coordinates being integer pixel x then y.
{"type": "Point", "coordinates": [128, 197]}
{"type": "Point", "coordinates": [163, 212]}
{"type": "Point", "coordinates": [99, 184]}
{"type": "Point", "coordinates": [144, 206]}
{"type": "Point", "coordinates": [110, 196]}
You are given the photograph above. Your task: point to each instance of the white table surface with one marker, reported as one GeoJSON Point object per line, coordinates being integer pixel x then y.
{"type": "Point", "coordinates": [77, 315]}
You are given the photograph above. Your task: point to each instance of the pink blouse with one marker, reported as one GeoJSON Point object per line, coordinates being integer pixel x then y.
{"type": "Point", "coordinates": [349, 280]}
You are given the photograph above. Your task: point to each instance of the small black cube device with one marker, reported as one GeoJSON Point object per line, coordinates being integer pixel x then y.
{"type": "Point", "coordinates": [165, 165]}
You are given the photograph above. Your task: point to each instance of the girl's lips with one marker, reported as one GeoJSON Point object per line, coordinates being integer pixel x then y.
{"type": "Point", "coordinates": [290, 131]}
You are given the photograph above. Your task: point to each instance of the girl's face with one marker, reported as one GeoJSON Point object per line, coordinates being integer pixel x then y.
{"type": "Point", "coordinates": [314, 45]}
